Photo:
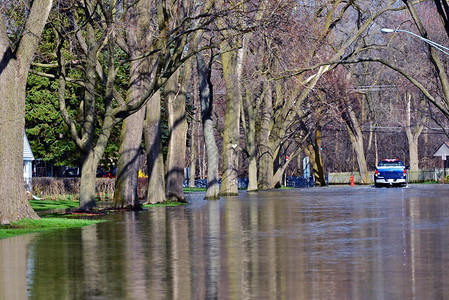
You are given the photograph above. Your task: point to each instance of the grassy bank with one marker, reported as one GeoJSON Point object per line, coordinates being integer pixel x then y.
{"type": "Point", "coordinates": [55, 220]}
{"type": "Point", "coordinates": [58, 220]}
{"type": "Point", "coordinates": [30, 226]}
{"type": "Point", "coordinates": [164, 204]}
{"type": "Point", "coordinates": [42, 205]}
{"type": "Point", "coordinates": [194, 189]}
{"type": "Point", "coordinates": [47, 222]}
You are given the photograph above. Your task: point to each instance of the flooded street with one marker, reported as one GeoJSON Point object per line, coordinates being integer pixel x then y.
{"type": "Point", "coordinates": [317, 243]}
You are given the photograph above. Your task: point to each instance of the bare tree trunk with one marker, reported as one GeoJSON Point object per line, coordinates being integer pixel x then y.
{"type": "Point", "coordinates": [175, 96]}
{"type": "Point", "coordinates": [252, 170]}
{"type": "Point", "coordinates": [370, 137]}
{"type": "Point", "coordinates": [412, 136]}
{"type": "Point", "coordinates": [128, 162]}
{"type": "Point", "coordinates": [88, 179]}
{"type": "Point", "coordinates": [265, 155]}
{"type": "Point", "coordinates": [89, 156]}
{"type": "Point", "coordinates": [206, 99]}
{"type": "Point", "coordinates": [14, 204]}
{"type": "Point", "coordinates": [232, 62]}
{"type": "Point", "coordinates": [414, 157]}
{"type": "Point", "coordinates": [155, 161]}
{"type": "Point", "coordinates": [14, 67]}
{"type": "Point", "coordinates": [357, 144]}
{"type": "Point", "coordinates": [313, 151]}
{"type": "Point", "coordinates": [193, 154]}
{"type": "Point", "coordinates": [194, 139]}
{"type": "Point", "coordinates": [138, 40]}
{"type": "Point", "coordinates": [229, 183]}
{"type": "Point", "coordinates": [299, 165]}
{"type": "Point", "coordinates": [249, 126]}
{"type": "Point", "coordinates": [356, 138]}
{"type": "Point", "coordinates": [205, 156]}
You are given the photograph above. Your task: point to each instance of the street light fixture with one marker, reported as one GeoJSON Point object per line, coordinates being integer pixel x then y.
{"type": "Point", "coordinates": [431, 43]}
{"type": "Point", "coordinates": [387, 30]}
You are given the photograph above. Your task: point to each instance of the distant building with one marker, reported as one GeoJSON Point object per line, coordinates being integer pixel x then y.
{"type": "Point", "coordinates": [28, 158]}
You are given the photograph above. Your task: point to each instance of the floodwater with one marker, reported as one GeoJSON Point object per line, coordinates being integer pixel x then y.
{"type": "Point", "coordinates": [317, 243]}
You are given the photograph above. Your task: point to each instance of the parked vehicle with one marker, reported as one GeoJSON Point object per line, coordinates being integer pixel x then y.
{"type": "Point", "coordinates": [72, 172]}
{"type": "Point", "coordinates": [111, 173]}
{"type": "Point", "coordinates": [101, 173]}
{"type": "Point", "coordinates": [391, 172]}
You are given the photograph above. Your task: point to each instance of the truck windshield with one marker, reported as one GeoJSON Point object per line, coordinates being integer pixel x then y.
{"type": "Point", "coordinates": [390, 164]}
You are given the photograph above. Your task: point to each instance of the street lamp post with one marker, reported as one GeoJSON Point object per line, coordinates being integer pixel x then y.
{"type": "Point", "coordinates": [431, 43]}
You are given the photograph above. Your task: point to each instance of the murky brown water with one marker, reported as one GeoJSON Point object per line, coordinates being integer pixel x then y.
{"type": "Point", "coordinates": [318, 243]}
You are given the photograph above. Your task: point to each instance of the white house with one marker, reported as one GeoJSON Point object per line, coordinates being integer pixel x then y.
{"type": "Point", "coordinates": [28, 158]}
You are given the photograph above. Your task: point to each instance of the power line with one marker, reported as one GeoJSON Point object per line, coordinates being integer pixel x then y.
{"type": "Point", "coordinates": [387, 129]}
{"type": "Point", "coordinates": [372, 88]}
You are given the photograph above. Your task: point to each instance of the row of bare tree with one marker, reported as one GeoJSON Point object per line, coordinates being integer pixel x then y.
{"type": "Point", "coordinates": [284, 72]}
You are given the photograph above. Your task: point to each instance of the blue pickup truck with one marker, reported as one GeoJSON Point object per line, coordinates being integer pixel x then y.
{"type": "Point", "coordinates": [390, 172]}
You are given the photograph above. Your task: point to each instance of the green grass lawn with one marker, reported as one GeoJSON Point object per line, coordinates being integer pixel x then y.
{"type": "Point", "coordinates": [41, 205]}
{"type": "Point", "coordinates": [47, 222]}
{"type": "Point", "coordinates": [195, 189]}
{"type": "Point", "coordinates": [25, 226]}
{"type": "Point", "coordinates": [164, 204]}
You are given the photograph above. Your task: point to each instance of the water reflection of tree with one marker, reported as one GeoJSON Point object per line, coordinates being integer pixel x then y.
{"type": "Point", "coordinates": [272, 245]}
{"type": "Point", "coordinates": [135, 258]}
{"type": "Point", "coordinates": [13, 267]}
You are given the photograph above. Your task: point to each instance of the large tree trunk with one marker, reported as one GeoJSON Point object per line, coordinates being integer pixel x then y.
{"type": "Point", "coordinates": [128, 162]}
{"type": "Point", "coordinates": [232, 62]}
{"type": "Point", "coordinates": [175, 96]}
{"type": "Point", "coordinates": [206, 99]}
{"type": "Point", "coordinates": [194, 136]}
{"type": "Point", "coordinates": [213, 187]}
{"type": "Point", "coordinates": [88, 179]}
{"type": "Point", "coordinates": [313, 151]}
{"type": "Point", "coordinates": [14, 67]}
{"type": "Point", "coordinates": [155, 160]}
{"type": "Point", "coordinates": [13, 204]}
{"type": "Point", "coordinates": [193, 154]}
{"type": "Point", "coordinates": [413, 139]}
{"type": "Point", "coordinates": [138, 40]}
{"type": "Point", "coordinates": [265, 155]}
{"type": "Point", "coordinates": [356, 138]}
{"type": "Point", "coordinates": [252, 108]}
{"type": "Point", "coordinates": [414, 157]}
{"type": "Point", "coordinates": [357, 145]}
{"type": "Point", "coordinates": [252, 172]}
{"type": "Point", "coordinates": [205, 88]}
{"type": "Point", "coordinates": [90, 158]}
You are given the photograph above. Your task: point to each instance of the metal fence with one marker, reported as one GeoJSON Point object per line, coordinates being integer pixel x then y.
{"type": "Point", "coordinates": [297, 182]}
{"type": "Point", "coordinates": [436, 175]}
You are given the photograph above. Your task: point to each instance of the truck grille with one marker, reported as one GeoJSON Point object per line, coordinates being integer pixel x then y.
{"type": "Point", "coordinates": [392, 175]}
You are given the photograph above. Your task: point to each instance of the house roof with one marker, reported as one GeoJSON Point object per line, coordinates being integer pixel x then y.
{"type": "Point", "coordinates": [27, 152]}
